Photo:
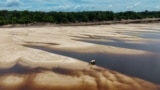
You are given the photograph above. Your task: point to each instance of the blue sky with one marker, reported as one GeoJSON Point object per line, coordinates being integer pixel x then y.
{"type": "Point", "coordinates": [80, 5]}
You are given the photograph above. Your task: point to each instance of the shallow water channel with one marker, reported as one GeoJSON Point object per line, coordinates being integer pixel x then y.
{"type": "Point", "coordinates": [146, 66]}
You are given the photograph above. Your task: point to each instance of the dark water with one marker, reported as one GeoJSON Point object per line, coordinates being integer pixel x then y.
{"type": "Point", "coordinates": [151, 35]}
{"type": "Point", "coordinates": [149, 46]}
{"type": "Point", "coordinates": [143, 66]}
{"type": "Point", "coordinates": [145, 34]}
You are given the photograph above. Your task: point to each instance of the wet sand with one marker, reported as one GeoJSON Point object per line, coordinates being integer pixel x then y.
{"type": "Point", "coordinates": [24, 67]}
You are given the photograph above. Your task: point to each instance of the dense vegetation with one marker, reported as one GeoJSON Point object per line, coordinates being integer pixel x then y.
{"type": "Point", "coordinates": [25, 17]}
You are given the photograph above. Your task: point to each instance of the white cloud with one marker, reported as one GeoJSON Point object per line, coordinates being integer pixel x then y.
{"type": "Point", "coordinates": [13, 3]}
{"type": "Point", "coordinates": [134, 5]}
{"type": "Point", "coordinates": [157, 7]}
{"type": "Point", "coordinates": [110, 7]}
{"type": "Point", "coordinates": [79, 5]}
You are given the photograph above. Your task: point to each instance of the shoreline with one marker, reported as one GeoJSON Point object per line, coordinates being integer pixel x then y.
{"type": "Point", "coordinates": [24, 67]}
{"type": "Point", "coordinates": [137, 21]}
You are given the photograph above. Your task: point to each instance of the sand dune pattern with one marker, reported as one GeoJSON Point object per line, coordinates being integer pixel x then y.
{"type": "Point", "coordinates": [23, 68]}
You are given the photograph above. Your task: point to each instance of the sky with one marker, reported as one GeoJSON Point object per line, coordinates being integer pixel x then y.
{"type": "Point", "coordinates": [81, 5]}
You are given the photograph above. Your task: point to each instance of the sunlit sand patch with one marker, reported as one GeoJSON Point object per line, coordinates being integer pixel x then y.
{"type": "Point", "coordinates": [12, 80]}
{"type": "Point", "coordinates": [94, 78]}
{"type": "Point", "coordinates": [63, 81]}
{"type": "Point", "coordinates": [28, 68]}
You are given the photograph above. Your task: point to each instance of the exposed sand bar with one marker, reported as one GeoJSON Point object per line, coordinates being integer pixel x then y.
{"type": "Point", "coordinates": [28, 68]}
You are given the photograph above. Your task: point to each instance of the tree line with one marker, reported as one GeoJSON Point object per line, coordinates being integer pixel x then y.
{"type": "Point", "coordinates": [26, 17]}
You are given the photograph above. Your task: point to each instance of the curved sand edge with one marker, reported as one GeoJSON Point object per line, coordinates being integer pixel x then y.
{"type": "Point", "coordinates": [32, 69]}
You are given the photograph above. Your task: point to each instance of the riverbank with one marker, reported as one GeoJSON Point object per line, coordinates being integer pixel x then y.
{"type": "Point", "coordinates": [137, 21]}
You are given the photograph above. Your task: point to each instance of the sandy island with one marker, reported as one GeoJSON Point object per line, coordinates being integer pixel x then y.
{"type": "Point", "coordinates": [26, 68]}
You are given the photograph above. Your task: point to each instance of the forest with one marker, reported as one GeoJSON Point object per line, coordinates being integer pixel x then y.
{"type": "Point", "coordinates": [26, 17]}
